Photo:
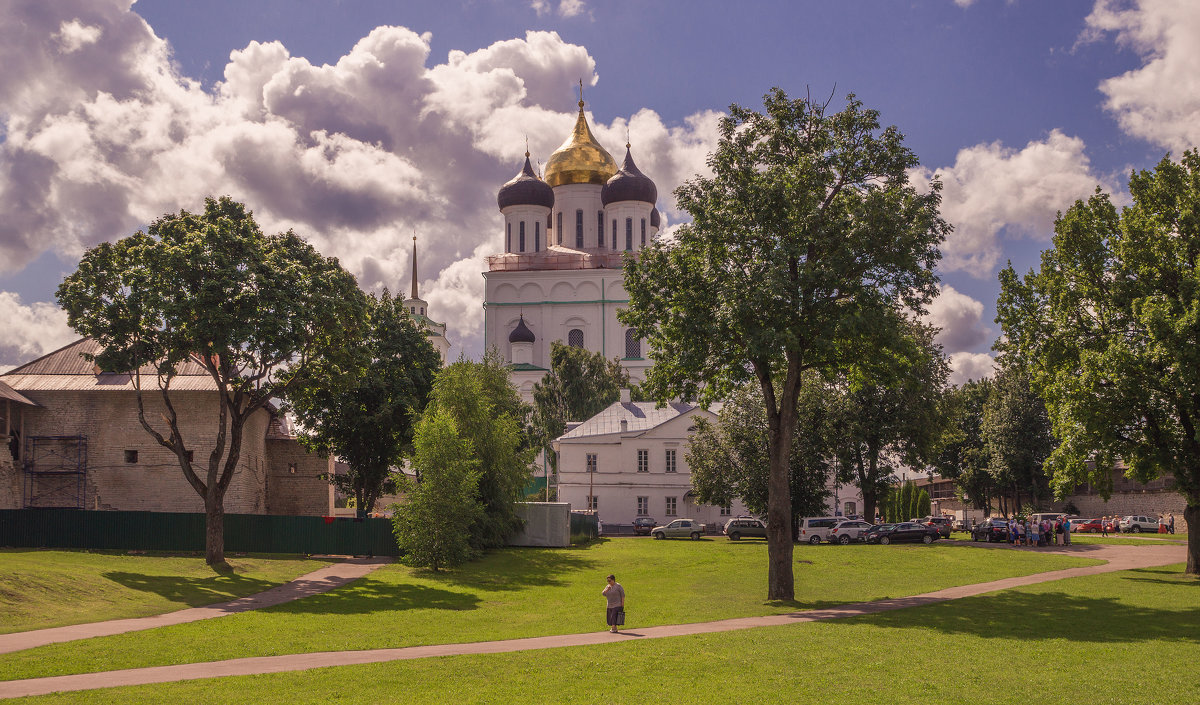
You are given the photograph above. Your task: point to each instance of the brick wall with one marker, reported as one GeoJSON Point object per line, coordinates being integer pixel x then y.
{"type": "Point", "coordinates": [294, 482]}
{"type": "Point", "coordinates": [10, 479]}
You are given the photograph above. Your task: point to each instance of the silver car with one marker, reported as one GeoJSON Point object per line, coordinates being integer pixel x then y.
{"type": "Point", "coordinates": [678, 528]}
{"type": "Point", "coordinates": [845, 532]}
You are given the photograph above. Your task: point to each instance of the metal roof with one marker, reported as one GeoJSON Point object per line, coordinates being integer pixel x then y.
{"type": "Point", "coordinates": [638, 415]}
{"type": "Point", "coordinates": [68, 360]}
{"type": "Point", "coordinates": [103, 383]}
{"type": "Point", "coordinates": [10, 394]}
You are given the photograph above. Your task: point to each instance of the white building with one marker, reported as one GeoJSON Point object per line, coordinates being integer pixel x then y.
{"type": "Point", "coordinates": [630, 461]}
{"type": "Point", "coordinates": [418, 308]}
{"type": "Point", "coordinates": [566, 235]}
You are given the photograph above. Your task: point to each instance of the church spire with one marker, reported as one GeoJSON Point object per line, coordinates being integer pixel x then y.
{"type": "Point", "coordinates": [414, 279]}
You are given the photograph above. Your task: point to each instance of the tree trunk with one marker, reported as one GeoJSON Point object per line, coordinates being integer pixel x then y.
{"type": "Point", "coordinates": [214, 529]}
{"type": "Point", "coordinates": [1191, 514]}
{"type": "Point", "coordinates": [870, 498]}
{"type": "Point", "coordinates": [780, 581]}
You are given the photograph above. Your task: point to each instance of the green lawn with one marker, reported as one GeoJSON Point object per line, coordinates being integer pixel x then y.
{"type": "Point", "coordinates": [1083, 640]}
{"type": "Point", "coordinates": [40, 589]}
{"type": "Point", "coordinates": [529, 592]}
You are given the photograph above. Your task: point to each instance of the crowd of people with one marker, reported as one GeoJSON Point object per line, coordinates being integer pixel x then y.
{"type": "Point", "coordinates": [1029, 532]}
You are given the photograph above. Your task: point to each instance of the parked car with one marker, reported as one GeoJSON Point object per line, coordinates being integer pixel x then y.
{"type": "Point", "coordinates": [738, 527]}
{"type": "Point", "coordinates": [677, 528]}
{"type": "Point", "coordinates": [642, 526]}
{"type": "Point", "coordinates": [942, 524]}
{"type": "Point", "coordinates": [990, 530]}
{"type": "Point", "coordinates": [1137, 524]}
{"type": "Point", "coordinates": [904, 532]}
{"type": "Point", "coordinates": [846, 531]}
{"type": "Point", "coordinates": [816, 529]}
{"type": "Point", "coordinates": [1087, 526]}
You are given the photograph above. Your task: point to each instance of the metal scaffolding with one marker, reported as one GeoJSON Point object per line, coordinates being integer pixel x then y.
{"type": "Point", "coordinates": [55, 471]}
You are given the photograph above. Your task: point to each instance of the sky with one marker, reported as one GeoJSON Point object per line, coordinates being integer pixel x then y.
{"type": "Point", "coordinates": [358, 123]}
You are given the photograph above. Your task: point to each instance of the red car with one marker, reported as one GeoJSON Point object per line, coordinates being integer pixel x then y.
{"type": "Point", "coordinates": [1087, 526]}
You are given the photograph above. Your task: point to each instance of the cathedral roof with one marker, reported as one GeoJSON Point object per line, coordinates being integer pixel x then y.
{"type": "Point", "coordinates": [521, 334]}
{"type": "Point", "coordinates": [655, 218]}
{"type": "Point", "coordinates": [629, 184]}
{"type": "Point", "coordinates": [581, 159]}
{"type": "Point", "coordinates": [525, 189]}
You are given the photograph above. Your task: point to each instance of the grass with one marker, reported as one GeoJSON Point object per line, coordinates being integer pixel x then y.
{"type": "Point", "coordinates": [529, 592]}
{"type": "Point", "coordinates": [41, 589]}
{"type": "Point", "coordinates": [1076, 640]}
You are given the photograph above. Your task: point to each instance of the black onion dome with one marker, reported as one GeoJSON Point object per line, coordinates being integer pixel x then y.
{"type": "Point", "coordinates": [521, 334]}
{"type": "Point", "coordinates": [526, 189]}
{"type": "Point", "coordinates": [655, 218]}
{"type": "Point", "coordinates": [629, 184]}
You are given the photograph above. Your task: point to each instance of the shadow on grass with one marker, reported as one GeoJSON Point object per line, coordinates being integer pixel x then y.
{"type": "Point", "coordinates": [519, 568]}
{"type": "Point", "coordinates": [367, 595]}
{"type": "Point", "coordinates": [193, 592]}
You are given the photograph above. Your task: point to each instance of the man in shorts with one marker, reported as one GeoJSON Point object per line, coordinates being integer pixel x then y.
{"type": "Point", "coordinates": [615, 594]}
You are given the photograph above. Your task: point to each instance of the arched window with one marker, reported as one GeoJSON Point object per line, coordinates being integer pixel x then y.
{"type": "Point", "coordinates": [629, 233]}
{"type": "Point", "coordinates": [537, 237]}
{"type": "Point", "coordinates": [614, 235]}
{"type": "Point", "coordinates": [508, 239]}
{"type": "Point", "coordinates": [559, 228]}
{"type": "Point", "coordinates": [600, 228]}
{"type": "Point", "coordinates": [522, 236]}
{"type": "Point", "coordinates": [643, 232]}
{"type": "Point", "coordinates": [633, 344]}
{"type": "Point", "coordinates": [575, 338]}
{"type": "Point", "coordinates": [579, 229]}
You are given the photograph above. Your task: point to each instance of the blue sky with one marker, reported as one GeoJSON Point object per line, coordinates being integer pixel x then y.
{"type": "Point", "coordinates": [358, 122]}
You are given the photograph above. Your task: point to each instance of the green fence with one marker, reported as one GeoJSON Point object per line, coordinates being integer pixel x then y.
{"type": "Point", "coordinates": [585, 526]}
{"type": "Point", "coordinates": [163, 531]}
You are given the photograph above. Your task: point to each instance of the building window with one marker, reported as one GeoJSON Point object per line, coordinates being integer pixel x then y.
{"type": "Point", "coordinates": [629, 233]}
{"type": "Point", "coordinates": [643, 232]}
{"type": "Point", "coordinates": [633, 344]}
{"type": "Point", "coordinates": [591, 462]}
{"type": "Point", "coordinates": [422, 310]}
{"type": "Point", "coordinates": [521, 241]}
{"type": "Point", "coordinates": [600, 228]}
{"type": "Point", "coordinates": [593, 502]}
{"type": "Point", "coordinates": [537, 236]}
{"type": "Point", "coordinates": [643, 506]}
{"type": "Point", "coordinates": [292, 468]}
{"type": "Point", "coordinates": [575, 338]}
{"type": "Point", "coordinates": [579, 228]}
{"type": "Point", "coordinates": [851, 509]}
{"type": "Point", "coordinates": [131, 456]}
{"type": "Point", "coordinates": [670, 506]}
{"type": "Point", "coordinates": [643, 460]}
{"type": "Point", "coordinates": [726, 511]}
{"type": "Point", "coordinates": [559, 228]}
{"type": "Point", "coordinates": [508, 239]}
{"type": "Point", "coordinates": [670, 461]}
{"type": "Point", "coordinates": [614, 233]}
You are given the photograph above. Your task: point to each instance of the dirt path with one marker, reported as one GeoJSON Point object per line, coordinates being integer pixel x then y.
{"type": "Point", "coordinates": [314, 583]}
{"type": "Point", "coordinates": [1117, 557]}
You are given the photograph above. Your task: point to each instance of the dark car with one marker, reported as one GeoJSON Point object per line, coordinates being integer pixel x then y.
{"type": "Point", "coordinates": [942, 524]}
{"type": "Point", "coordinates": [904, 532]}
{"type": "Point", "coordinates": [738, 527]}
{"type": "Point", "coordinates": [990, 530]}
{"type": "Point", "coordinates": [642, 526]}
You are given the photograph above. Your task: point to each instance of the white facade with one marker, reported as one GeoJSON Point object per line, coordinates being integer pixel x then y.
{"type": "Point", "coordinates": [630, 460]}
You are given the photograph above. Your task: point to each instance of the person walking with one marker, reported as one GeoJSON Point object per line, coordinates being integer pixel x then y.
{"type": "Point", "coordinates": [615, 594]}
{"type": "Point", "coordinates": [1104, 526]}
{"type": "Point", "coordinates": [1171, 522]}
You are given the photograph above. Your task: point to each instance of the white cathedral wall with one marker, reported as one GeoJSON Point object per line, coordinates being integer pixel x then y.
{"type": "Point", "coordinates": [534, 218]}
{"type": "Point", "coordinates": [570, 198]}
{"type": "Point", "coordinates": [636, 211]}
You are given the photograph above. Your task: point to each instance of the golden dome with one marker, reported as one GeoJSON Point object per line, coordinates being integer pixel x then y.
{"type": "Point", "coordinates": [581, 159]}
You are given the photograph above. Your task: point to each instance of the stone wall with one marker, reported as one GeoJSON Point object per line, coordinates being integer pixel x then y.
{"type": "Point", "coordinates": [294, 482]}
{"type": "Point", "coordinates": [10, 478]}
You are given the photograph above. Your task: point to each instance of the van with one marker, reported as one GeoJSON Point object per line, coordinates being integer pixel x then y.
{"type": "Point", "coordinates": [816, 529]}
{"type": "Point", "coordinates": [1052, 516]}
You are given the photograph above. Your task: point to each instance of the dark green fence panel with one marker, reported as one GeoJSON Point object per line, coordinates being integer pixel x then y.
{"type": "Point", "coordinates": [585, 526]}
{"type": "Point", "coordinates": [164, 531]}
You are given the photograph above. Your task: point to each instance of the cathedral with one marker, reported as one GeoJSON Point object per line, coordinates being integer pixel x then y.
{"type": "Point", "coordinates": [566, 233]}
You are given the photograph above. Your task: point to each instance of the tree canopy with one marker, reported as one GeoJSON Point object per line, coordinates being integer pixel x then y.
{"type": "Point", "coordinates": [362, 411]}
{"type": "Point", "coordinates": [1110, 327]}
{"type": "Point", "coordinates": [254, 310]}
{"type": "Point", "coordinates": [808, 232]}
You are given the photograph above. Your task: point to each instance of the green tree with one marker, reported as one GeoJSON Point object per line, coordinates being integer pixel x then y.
{"type": "Point", "coordinates": [1018, 435]}
{"type": "Point", "coordinates": [254, 310]}
{"type": "Point", "coordinates": [964, 455]}
{"type": "Point", "coordinates": [728, 459]}
{"type": "Point", "coordinates": [1110, 325]}
{"type": "Point", "coordinates": [488, 412]}
{"type": "Point", "coordinates": [433, 526]}
{"type": "Point", "coordinates": [808, 234]}
{"type": "Point", "coordinates": [924, 506]}
{"type": "Point", "coordinates": [363, 414]}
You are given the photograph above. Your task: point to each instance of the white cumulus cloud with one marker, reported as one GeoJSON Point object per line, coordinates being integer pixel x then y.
{"type": "Point", "coordinates": [30, 330]}
{"type": "Point", "coordinates": [966, 366]}
{"type": "Point", "coordinates": [993, 191]}
{"type": "Point", "coordinates": [1160, 101]}
{"type": "Point", "coordinates": [960, 319]}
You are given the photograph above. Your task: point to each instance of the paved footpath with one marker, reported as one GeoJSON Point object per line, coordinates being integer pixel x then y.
{"type": "Point", "coordinates": [1117, 557]}
{"type": "Point", "coordinates": [314, 583]}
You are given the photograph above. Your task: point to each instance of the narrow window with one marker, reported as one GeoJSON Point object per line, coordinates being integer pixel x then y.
{"type": "Point", "coordinates": [508, 239]}
{"type": "Point", "coordinates": [537, 236]}
{"type": "Point", "coordinates": [629, 233]}
{"type": "Point", "coordinates": [614, 233]}
{"type": "Point", "coordinates": [559, 228]}
{"type": "Point", "coordinates": [591, 462]}
{"type": "Point", "coordinates": [643, 232]}
{"type": "Point", "coordinates": [643, 506]}
{"type": "Point", "coordinates": [643, 460]}
{"type": "Point", "coordinates": [521, 236]}
{"type": "Point", "coordinates": [131, 456]}
{"type": "Point", "coordinates": [292, 468]}
{"type": "Point", "coordinates": [575, 338]}
{"type": "Point", "coordinates": [670, 460]}
{"type": "Point", "coordinates": [670, 506]}
{"type": "Point", "coordinates": [600, 228]}
{"type": "Point", "coordinates": [633, 345]}
{"type": "Point", "coordinates": [593, 503]}
{"type": "Point", "coordinates": [422, 310]}
{"type": "Point", "coordinates": [579, 229]}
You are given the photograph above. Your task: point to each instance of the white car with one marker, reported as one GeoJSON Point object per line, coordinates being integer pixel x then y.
{"type": "Point", "coordinates": [1138, 524]}
{"type": "Point", "coordinates": [814, 530]}
{"type": "Point", "coordinates": [679, 527]}
{"type": "Point", "coordinates": [847, 531]}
